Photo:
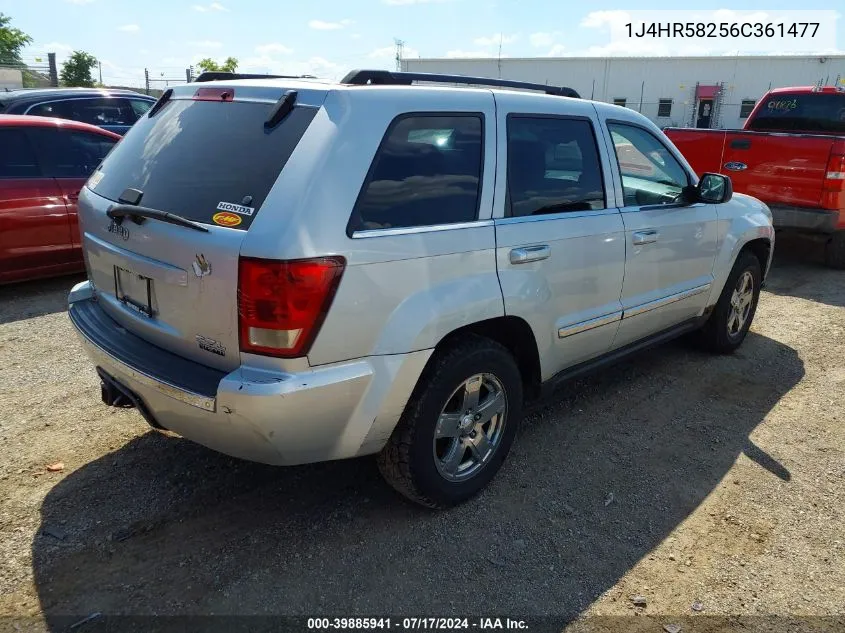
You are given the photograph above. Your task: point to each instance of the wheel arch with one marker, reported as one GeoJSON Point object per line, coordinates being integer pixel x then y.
{"type": "Point", "coordinates": [514, 334]}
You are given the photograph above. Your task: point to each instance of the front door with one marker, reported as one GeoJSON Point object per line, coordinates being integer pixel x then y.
{"type": "Point", "coordinates": [671, 246]}
{"type": "Point", "coordinates": [560, 244]}
{"type": "Point", "coordinates": [705, 113]}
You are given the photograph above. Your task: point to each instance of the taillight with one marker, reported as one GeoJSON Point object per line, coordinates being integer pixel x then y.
{"type": "Point", "coordinates": [834, 177]}
{"type": "Point", "coordinates": [282, 304]}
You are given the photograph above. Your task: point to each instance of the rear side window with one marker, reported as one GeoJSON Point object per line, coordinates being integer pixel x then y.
{"type": "Point", "coordinates": [17, 160]}
{"type": "Point", "coordinates": [427, 171]}
{"type": "Point", "coordinates": [52, 108]}
{"type": "Point", "coordinates": [96, 111]}
{"type": "Point", "coordinates": [70, 153]}
{"type": "Point", "coordinates": [814, 112]}
{"type": "Point", "coordinates": [199, 159]}
{"type": "Point", "coordinates": [553, 166]}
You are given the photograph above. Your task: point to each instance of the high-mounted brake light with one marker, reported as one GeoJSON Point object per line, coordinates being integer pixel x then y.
{"type": "Point", "coordinates": [214, 94]}
{"type": "Point", "coordinates": [282, 304]}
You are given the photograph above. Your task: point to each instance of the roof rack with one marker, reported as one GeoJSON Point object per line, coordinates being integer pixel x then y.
{"type": "Point", "coordinates": [390, 78]}
{"type": "Point", "coordinates": [217, 75]}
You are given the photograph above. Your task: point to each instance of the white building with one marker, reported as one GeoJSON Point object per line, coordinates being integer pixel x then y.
{"type": "Point", "coordinates": [713, 91]}
{"type": "Point", "coordinates": [10, 79]}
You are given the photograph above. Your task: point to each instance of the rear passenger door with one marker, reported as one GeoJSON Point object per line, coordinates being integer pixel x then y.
{"type": "Point", "coordinates": [560, 238]}
{"type": "Point", "coordinates": [70, 157]}
{"type": "Point", "coordinates": [34, 229]}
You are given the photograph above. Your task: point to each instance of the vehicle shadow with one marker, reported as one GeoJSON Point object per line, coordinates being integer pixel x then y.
{"type": "Point", "coordinates": [798, 270]}
{"type": "Point", "coordinates": [29, 299]}
{"type": "Point", "coordinates": [600, 475]}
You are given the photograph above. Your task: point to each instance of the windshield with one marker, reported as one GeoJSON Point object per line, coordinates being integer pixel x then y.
{"type": "Point", "coordinates": [813, 112]}
{"type": "Point", "coordinates": [205, 161]}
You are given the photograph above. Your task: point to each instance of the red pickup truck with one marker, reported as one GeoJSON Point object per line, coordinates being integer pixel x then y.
{"type": "Point", "coordinates": [791, 155]}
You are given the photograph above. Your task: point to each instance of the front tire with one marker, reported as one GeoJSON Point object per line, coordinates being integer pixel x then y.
{"type": "Point", "coordinates": [458, 425]}
{"type": "Point", "coordinates": [728, 325]}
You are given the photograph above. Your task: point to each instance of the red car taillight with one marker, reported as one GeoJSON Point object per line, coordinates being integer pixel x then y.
{"type": "Point", "coordinates": [282, 304]}
{"type": "Point", "coordinates": [834, 177]}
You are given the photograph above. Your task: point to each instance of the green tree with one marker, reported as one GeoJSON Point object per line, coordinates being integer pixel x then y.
{"type": "Point", "coordinates": [76, 71]}
{"type": "Point", "coordinates": [11, 42]}
{"type": "Point", "coordinates": [209, 65]}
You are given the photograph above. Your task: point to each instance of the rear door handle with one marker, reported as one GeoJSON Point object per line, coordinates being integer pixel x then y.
{"type": "Point", "coordinates": [526, 254]}
{"type": "Point", "coordinates": [645, 237]}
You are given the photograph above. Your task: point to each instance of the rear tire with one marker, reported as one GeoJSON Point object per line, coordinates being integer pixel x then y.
{"type": "Point", "coordinates": [728, 325]}
{"type": "Point", "coordinates": [445, 450]}
{"type": "Point", "coordinates": [834, 254]}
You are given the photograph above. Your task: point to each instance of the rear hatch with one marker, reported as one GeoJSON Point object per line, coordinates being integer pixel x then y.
{"type": "Point", "coordinates": [209, 156]}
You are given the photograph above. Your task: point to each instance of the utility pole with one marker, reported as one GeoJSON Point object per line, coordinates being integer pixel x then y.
{"type": "Point", "coordinates": [54, 73]}
{"type": "Point", "coordinates": [400, 53]}
{"type": "Point", "coordinates": [100, 64]}
{"type": "Point", "coordinates": [147, 79]}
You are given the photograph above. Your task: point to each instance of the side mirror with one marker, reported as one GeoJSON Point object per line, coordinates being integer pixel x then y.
{"type": "Point", "coordinates": [713, 189]}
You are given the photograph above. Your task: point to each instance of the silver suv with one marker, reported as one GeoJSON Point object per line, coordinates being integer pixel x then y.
{"type": "Point", "coordinates": [289, 271]}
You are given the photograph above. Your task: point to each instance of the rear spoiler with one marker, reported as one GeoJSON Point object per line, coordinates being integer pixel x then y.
{"type": "Point", "coordinates": [220, 75]}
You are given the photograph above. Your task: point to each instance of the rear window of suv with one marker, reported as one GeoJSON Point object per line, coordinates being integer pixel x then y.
{"type": "Point", "coordinates": [199, 159]}
{"type": "Point", "coordinates": [813, 112]}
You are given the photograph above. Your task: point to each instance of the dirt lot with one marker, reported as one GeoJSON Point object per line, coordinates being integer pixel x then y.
{"type": "Point", "coordinates": [680, 477]}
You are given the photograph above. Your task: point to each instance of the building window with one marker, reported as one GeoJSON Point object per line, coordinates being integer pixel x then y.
{"type": "Point", "coordinates": [746, 108]}
{"type": "Point", "coordinates": [620, 102]}
{"type": "Point", "coordinates": [664, 108]}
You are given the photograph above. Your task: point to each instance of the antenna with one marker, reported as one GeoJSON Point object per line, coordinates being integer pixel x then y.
{"type": "Point", "coordinates": [400, 53]}
{"type": "Point", "coordinates": [499, 61]}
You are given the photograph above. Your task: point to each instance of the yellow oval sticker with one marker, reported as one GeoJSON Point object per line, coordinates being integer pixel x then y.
{"type": "Point", "coordinates": [226, 219]}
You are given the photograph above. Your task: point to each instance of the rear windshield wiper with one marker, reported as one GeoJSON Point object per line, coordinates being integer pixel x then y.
{"type": "Point", "coordinates": [119, 211]}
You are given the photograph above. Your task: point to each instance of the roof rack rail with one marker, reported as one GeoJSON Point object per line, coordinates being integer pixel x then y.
{"type": "Point", "coordinates": [390, 78]}
{"type": "Point", "coordinates": [217, 75]}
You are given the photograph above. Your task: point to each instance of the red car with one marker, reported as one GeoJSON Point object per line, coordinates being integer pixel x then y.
{"type": "Point", "coordinates": [791, 155]}
{"type": "Point", "coordinates": [44, 162]}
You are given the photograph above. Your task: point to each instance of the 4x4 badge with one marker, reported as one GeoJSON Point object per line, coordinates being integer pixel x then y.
{"type": "Point", "coordinates": [201, 266]}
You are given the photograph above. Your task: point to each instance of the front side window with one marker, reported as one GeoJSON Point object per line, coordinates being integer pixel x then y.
{"type": "Point", "coordinates": [553, 166]}
{"type": "Point", "coordinates": [17, 160]}
{"type": "Point", "coordinates": [650, 173]}
{"type": "Point", "coordinates": [427, 171]}
{"type": "Point", "coordinates": [140, 106]}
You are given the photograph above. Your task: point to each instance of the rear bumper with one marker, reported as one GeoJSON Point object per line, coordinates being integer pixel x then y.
{"type": "Point", "coordinates": [265, 416]}
{"type": "Point", "coordinates": [805, 219]}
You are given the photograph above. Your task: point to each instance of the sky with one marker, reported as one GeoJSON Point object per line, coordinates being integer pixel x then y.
{"type": "Point", "coordinates": [327, 38]}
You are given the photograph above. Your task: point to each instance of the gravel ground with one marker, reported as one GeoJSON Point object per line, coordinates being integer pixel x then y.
{"type": "Point", "coordinates": [705, 485]}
